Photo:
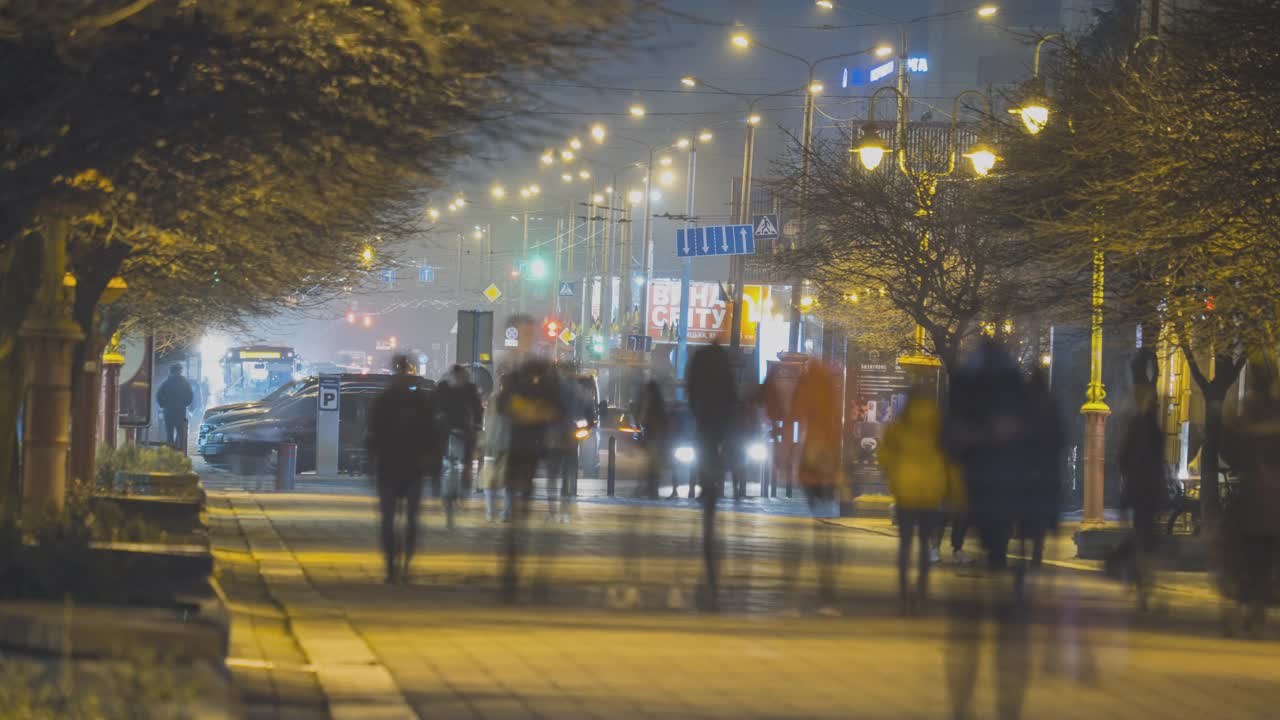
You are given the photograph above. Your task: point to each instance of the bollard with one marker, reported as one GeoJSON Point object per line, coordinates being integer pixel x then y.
{"type": "Point", "coordinates": [613, 460]}
{"type": "Point", "coordinates": [286, 466]}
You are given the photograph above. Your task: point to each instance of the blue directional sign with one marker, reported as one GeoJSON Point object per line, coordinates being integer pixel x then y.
{"type": "Point", "coordinates": [715, 240]}
{"type": "Point", "coordinates": [389, 276]}
{"type": "Point", "coordinates": [426, 274]}
{"type": "Point", "coordinates": [566, 289]}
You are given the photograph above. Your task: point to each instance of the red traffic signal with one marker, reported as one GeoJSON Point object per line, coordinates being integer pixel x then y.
{"type": "Point", "coordinates": [552, 328]}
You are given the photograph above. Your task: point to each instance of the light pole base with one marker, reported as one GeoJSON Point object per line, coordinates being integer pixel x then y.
{"type": "Point", "coordinates": [48, 345]}
{"type": "Point", "coordinates": [1095, 454]}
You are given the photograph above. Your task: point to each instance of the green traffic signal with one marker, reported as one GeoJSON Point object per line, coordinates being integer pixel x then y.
{"type": "Point", "coordinates": [538, 268]}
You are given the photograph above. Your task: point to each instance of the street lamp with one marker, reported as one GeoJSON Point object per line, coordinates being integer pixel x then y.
{"type": "Point", "coordinates": [636, 111]}
{"type": "Point", "coordinates": [498, 192]}
{"type": "Point", "coordinates": [566, 155]}
{"type": "Point", "coordinates": [871, 150]}
{"type": "Point", "coordinates": [566, 177]}
{"type": "Point", "coordinates": [548, 158]}
{"type": "Point", "coordinates": [988, 11]}
{"type": "Point", "coordinates": [584, 174]}
{"type": "Point", "coordinates": [1034, 109]}
{"type": "Point", "coordinates": [433, 213]}
{"type": "Point", "coordinates": [598, 132]}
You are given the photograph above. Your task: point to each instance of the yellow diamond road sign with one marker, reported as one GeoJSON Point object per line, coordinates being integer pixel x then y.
{"type": "Point", "coordinates": [567, 336]}
{"type": "Point", "coordinates": [492, 293]}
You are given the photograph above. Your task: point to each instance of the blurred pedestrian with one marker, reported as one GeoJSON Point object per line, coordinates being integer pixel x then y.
{"type": "Point", "coordinates": [403, 442]}
{"type": "Point", "coordinates": [1251, 444]}
{"type": "Point", "coordinates": [493, 445]}
{"type": "Point", "coordinates": [1043, 501]}
{"type": "Point", "coordinates": [531, 401]}
{"type": "Point", "coordinates": [462, 415]}
{"type": "Point", "coordinates": [985, 431]}
{"type": "Point", "coordinates": [815, 408]}
{"type": "Point", "coordinates": [655, 426]}
{"type": "Point", "coordinates": [174, 397]}
{"type": "Point", "coordinates": [1142, 469]}
{"type": "Point", "coordinates": [923, 482]}
{"type": "Point", "coordinates": [712, 400]}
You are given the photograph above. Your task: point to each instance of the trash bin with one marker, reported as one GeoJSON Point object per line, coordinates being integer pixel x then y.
{"type": "Point", "coordinates": [286, 466]}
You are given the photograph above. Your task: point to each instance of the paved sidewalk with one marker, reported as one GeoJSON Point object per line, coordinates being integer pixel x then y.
{"type": "Point", "coordinates": [607, 633]}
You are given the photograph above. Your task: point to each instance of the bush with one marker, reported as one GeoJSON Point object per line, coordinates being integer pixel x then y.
{"type": "Point", "coordinates": [133, 458]}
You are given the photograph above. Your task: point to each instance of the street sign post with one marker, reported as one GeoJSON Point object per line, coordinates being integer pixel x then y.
{"type": "Point", "coordinates": [492, 293]}
{"type": "Point", "coordinates": [566, 289]}
{"type": "Point", "coordinates": [714, 240]}
{"type": "Point", "coordinates": [426, 274]}
{"type": "Point", "coordinates": [328, 404]}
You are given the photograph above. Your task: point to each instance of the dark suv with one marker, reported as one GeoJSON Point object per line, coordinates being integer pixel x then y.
{"type": "Point", "coordinates": [247, 442]}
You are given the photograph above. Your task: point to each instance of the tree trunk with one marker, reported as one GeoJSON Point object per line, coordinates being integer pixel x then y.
{"type": "Point", "coordinates": [18, 283]}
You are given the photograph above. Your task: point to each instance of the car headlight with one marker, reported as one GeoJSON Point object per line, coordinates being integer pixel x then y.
{"type": "Point", "coordinates": [581, 430]}
{"type": "Point", "coordinates": [757, 452]}
{"type": "Point", "coordinates": [685, 454]}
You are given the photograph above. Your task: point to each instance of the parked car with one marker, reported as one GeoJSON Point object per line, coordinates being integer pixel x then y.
{"type": "Point", "coordinates": [247, 441]}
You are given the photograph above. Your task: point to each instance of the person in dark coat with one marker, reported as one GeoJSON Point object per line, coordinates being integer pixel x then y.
{"type": "Point", "coordinates": [1251, 443]}
{"type": "Point", "coordinates": [986, 430]}
{"type": "Point", "coordinates": [403, 442]}
{"type": "Point", "coordinates": [713, 400]}
{"type": "Point", "coordinates": [1142, 468]}
{"type": "Point", "coordinates": [1043, 499]}
{"type": "Point", "coordinates": [461, 415]}
{"type": "Point", "coordinates": [174, 397]}
{"type": "Point", "coordinates": [652, 413]}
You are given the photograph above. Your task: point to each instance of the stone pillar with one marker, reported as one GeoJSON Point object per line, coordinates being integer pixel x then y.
{"type": "Point", "coordinates": [49, 336]}
{"type": "Point", "coordinates": [1095, 454]}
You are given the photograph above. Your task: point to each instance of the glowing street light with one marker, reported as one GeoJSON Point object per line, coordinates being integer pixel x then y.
{"type": "Point", "coordinates": [871, 150]}
{"type": "Point", "coordinates": [608, 190]}
{"type": "Point", "coordinates": [567, 155]}
{"type": "Point", "coordinates": [884, 51]}
{"type": "Point", "coordinates": [987, 11]}
{"type": "Point", "coordinates": [982, 157]}
{"type": "Point", "coordinates": [682, 143]}
{"type": "Point", "coordinates": [1035, 115]}
{"type": "Point", "coordinates": [453, 206]}
{"type": "Point", "coordinates": [366, 255]}
{"type": "Point", "coordinates": [575, 143]}
{"type": "Point", "coordinates": [665, 161]}
{"type": "Point", "coordinates": [548, 158]}
{"type": "Point", "coordinates": [433, 213]}
{"type": "Point", "coordinates": [524, 193]}
{"type": "Point", "coordinates": [598, 133]}
{"type": "Point", "coordinates": [636, 111]}
{"type": "Point", "coordinates": [498, 192]}
{"type": "Point", "coordinates": [667, 178]}
{"type": "Point", "coordinates": [535, 189]}
{"type": "Point", "coordinates": [825, 4]}
{"type": "Point", "coordinates": [689, 81]}
{"type": "Point", "coordinates": [584, 174]}
{"type": "Point", "coordinates": [477, 233]}
{"type": "Point", "coordinates": [753, 119]}
{"type": "Point", "coordinates": [597, 199]}
{"type": "Point", "coordinates": [740, 40]}
{"type": "Point", "coordinates": [704, 136]}
{"type": "Point", "coordinates": [566, 177]}
{"type": "Point", "coordinates": [816, 87]}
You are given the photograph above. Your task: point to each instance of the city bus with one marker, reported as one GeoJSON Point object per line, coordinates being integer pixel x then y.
{"type": "Point", "coordinates": [251, 372]}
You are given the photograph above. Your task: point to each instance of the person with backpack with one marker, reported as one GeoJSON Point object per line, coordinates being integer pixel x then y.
{"type": "Point", "coordinates": [461, 415]}
{"type": "Point", "coordinates": [403, 442]}
{"type": "Point", "coordinates": [531, 403]}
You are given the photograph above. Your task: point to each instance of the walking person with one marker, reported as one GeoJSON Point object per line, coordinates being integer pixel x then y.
{"type": "Point", "coordinates": [712, 401]}
{"type": "Point", "coordinates": [924, 484]}
{"type": "Point", "coordinates": [403, 442]}
{"type": "Point", "coordinates": [1141, 461]}
{"type": "Point", "coordinates": [174, 397]}
{"type": "Point", "coordinates": [815, 409]}
{"type": "Point", "coordinates": [1251, 444]}
{"type": "Point", "coordinates": [1043, 501]}
{"type": "Point", "coordinates": [531, 402]}
{"type": "Point", "coordinates": [462, 416]}
{"type": "Point", "coordinates": [654, 423]}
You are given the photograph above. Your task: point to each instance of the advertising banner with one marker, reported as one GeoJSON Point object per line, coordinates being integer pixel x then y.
{"type": "Point", "coordinates": [709, 313]}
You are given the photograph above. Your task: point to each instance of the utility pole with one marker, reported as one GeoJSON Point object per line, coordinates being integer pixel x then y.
{"type": "Point", "coordinates": [686, 269]}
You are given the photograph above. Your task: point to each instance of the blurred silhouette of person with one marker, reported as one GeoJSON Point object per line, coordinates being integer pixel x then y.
{"type": "Point", "coordinates": [174, 397]}
{"type": "Point", "coordinates": [491, 481]}
{"type": "Point", "coordinates": [462, 415]}
{"type": "Point", "coordinates": [531, 401]}
{"type": "Point", "coordinates": [403, 443]}
{"type": "Point", "coordinates": [1251, 444]}
{"type": "Point", "coordinates": [815, 407]}
{"type": "Point", "coordinates": [986, 431]}
{"type": "Point", "coordinates": [652, 414]}
{"type": "Point", "coordinates": [1043, 499]}
{"type": "Point", "coordinates": [712, 400]}
{"type": "Point", "coordinates": [923, 482]}
{"type": "Point", "coordinates": [1142, 468]}
{"type": "Point", "coordinates": [775, 411]}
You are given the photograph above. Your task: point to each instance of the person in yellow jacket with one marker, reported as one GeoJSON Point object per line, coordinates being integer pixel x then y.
{"type": "Point", "coordinates": [925, 485]}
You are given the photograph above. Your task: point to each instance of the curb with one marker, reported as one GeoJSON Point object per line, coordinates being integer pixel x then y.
{"type": "Point", "coordinates": [354, 681]}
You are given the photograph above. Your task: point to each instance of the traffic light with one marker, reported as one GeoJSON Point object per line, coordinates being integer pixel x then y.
{"type": "Point", "coordinates": [538, 268]}
{"type": "Point", "coordinates": [552, 328]}
{"type": "Point", "coordinates": [597, 344]}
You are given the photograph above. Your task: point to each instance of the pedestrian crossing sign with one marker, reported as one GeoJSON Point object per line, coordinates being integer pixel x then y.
{"type": "Point", "coordinates": [766, 226]}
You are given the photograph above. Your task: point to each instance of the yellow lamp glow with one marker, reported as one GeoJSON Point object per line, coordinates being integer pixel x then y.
{"type": "Point", "coordinates": [753, 119]}
{"type": "Point", "coordinates": [884, 51]}
{"type": "Point", "coordinates": [433, 213]}
{"type": "Point", "coordinates": [682, 143]}
{"type": "Point", "coordinates": [704, 136]}
{"type": "Point", "coordinates": [689, 81]}
{"type": "Point", "coordinates": [548, 158]}
{"type": "Point", "coordinates": [825, 4]}
{"type": "Point", "coordinates": [566, 177]}
{"type": "Point", "coordinates": [987, 11]}
{"type": "Point", "coordinates": [575, 143]}
{"type": "Point", "coordinates": [597, 198]}
{"type": "Point", "coordinates": [598, 133]}
{"type": "Point", "coordinates": [982, 157]}
{"type": "Point", "coordinates": [666, 178]}
{"type": "Point", "coordinates": [741, 40]}
{"type": "Point", "coordinates": [636, 110]}
{"type": "Point", "coordinates": [635, 196]}
{"type": "Point", "coordinates": [534, 189]}
{"type": "Point", "coordinates": [584, 174]}
{"type": "Point", "coordinates": [816, 87]}
{"type": "Point", "coordinates": [498, 192]}
{"type": "Point", "coordinates": [1035, 115]}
